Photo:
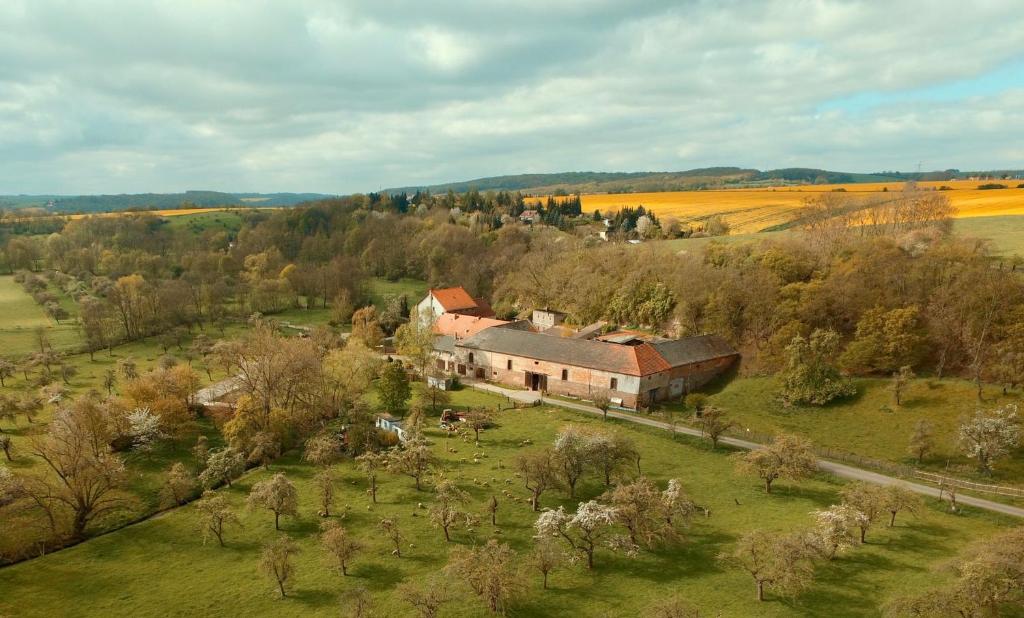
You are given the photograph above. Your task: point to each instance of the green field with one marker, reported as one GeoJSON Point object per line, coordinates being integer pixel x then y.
{"type": "Point", "coordinates": [869, 424]}
{"type": "Point", "coordinates": [200, 222]}
{"type": "Point", "coordinates": [382, 289]}
{"type": "Point", "coordinates": [20, 316]}
{"type": "Point", "coordinates": [160, 567]}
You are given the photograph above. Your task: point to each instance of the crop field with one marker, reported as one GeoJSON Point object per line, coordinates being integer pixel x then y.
{"type": "Point", "coordinates": [161, 566]}
{"type": "Point", "coordinates": [754, 210]}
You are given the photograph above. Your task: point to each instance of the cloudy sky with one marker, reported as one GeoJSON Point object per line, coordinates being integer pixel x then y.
{"type": "Point", "coordinates": [109, 96]}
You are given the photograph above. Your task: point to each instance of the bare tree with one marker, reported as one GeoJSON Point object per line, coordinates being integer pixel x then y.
{"type": "Point", "coordinates": [672, 607]}
{"type": "Point", "coordinates": [478, 420]}
{"type": "Point", "coordinates": [446, 511]}
{"type": "Point", "coordinates": [357, 601]}
{"type": "Point", "coordinates": [413, 459]}
{"type": "Point", "coordinates": [339, 545]}
{"type": "Point", "coordinates": [546, 556]}
{"type": "Point", "coordinates": [539, 473]}
{"type": "Point", "coordinates": [781, 563]}
{"type": "Point", "coordinates": [214, 515]}
{"type": "Point", "coordinates": [324, 482]}
{"type": "Point", "coordinates": [390, 529]}
{"type": "Point", "coordinates": [371, 463]}
{"type": "Point", "coordinates": [490, 571]}
{"type": "Point", "coordinates": [712, 422]}
{"type": "Point", "coordinates": [178, 485]}
{"type": "Point", "coordinates": [425, 597]}
{"type": "Point", "coordinates": [786, 457]}
{"type": "Point", "coordinates": [278, 561]}
{"type": "Point", "coordinates": [922, 441]}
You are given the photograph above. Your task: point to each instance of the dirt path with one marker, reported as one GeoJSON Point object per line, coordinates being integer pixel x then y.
{"type": "Point", "coordinates": [838, 469]}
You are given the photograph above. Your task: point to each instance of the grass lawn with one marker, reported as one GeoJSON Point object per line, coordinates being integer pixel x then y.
{"type": "Point", "coordinates": [864, 426]}
{"type": "Point", "coordinates": [381, 289]}
{"type": "Point", "coordinates": [160, 567]}
{"type": "Point", "coordinates": [199, 222]}
{"type": "Point", "coordinates": [20, 316]}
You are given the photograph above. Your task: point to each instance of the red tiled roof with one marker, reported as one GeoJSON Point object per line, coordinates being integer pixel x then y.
{"type": "Point", "coordinates": [648, 360]}
{"type": "Point", "coordinates": [454, 299]}
{"type": "Point", "coordinates": [462, 326]}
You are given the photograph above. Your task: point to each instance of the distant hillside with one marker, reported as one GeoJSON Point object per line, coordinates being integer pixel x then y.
{"type": "Point", "coordinates": [689, 180]}
{"type": "Point", "coordinates": [151, 201]}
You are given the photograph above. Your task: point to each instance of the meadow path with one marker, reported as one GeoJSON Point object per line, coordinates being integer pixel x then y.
{"type": "Point", "coordinates": [832, 467]}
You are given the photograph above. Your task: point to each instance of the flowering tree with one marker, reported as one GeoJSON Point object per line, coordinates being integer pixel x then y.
{"type": "Point", "coordinates": [990, 435]}
{"type": "Point", "coordinates": [640, 509]}
{"type": "Point", "coordinates": [413, 459]}
{"type": "Point", "coordinates": [371, 463]}
{"type": "Point", "coordinates": [490, 571]}
{"type": "Point", "coordinates": [675, 503]}
{"type": "Point", "coordinates": [870, 500]}
{"type": "Point", "coordinates": [221, 466]}
{"type": "Point", "coordinates": [572, 454]}
{"type": "Point", "coordinates": [836, 529]}
{"type": "Point", "coordinates": [782, 564]}
{"type": "Point", "coordinates": [144, 429]}
{"type": "Point", "coordinates": [214, 514]}
{"type": "Point", "coordinates": [786, 457]}
{"type": "Point", "coordinates": [447, 511]}
{"type": "Point", "coordinates": [584, 531]}
{"type": "Point", "coordinates": [339, 545]}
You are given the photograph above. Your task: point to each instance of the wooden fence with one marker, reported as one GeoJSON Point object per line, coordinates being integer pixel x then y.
{"type": "Point", "coordinates": [949, 481]}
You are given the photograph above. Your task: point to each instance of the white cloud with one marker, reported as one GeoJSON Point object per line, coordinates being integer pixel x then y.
{"type": "Point", "coordinates": [348, 96]}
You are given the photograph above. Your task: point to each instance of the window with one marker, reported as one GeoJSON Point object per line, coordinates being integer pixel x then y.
{"type": "Point", "coordinates": [508, 365]}
{"type": "Point", "coordinates": [615, 384]}
{"type": "Point", "coordinates": [565, 374]}
{"type": "Point", "coordinates": [470, 358]}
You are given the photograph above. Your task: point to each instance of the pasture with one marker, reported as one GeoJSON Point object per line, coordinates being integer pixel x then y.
{"type": "Point", "coordinates": [161, 566]}
{"type": "Point", "coordinates": [20, 317]}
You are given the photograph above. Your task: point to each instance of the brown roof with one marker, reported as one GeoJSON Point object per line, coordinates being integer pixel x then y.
{"type": "Point", "coordinates": [637, 360]}
{"type": "Point", "coordinates": [462, 326]}
{"type": "Point", "coordinates": [454, 299]}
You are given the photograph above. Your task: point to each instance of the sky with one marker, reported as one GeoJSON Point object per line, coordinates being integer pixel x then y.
{"type": "Point", "coordinates": [120, 96]}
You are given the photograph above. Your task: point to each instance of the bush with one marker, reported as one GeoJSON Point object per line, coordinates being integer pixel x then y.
{"type": "Point", "coordinates": [992, 185]}
{"type": "Point", "coordinates": [695, 401]}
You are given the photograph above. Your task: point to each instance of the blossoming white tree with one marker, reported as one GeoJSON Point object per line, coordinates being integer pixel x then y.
{"type": "Point", "coordinates": [990, 435]}
{"type": "Point", "coordinates": [836, 529]}
{"type": "Point", "coordinates": [145, 429]}
{"type": "Point", "coordinates": [583, 531]}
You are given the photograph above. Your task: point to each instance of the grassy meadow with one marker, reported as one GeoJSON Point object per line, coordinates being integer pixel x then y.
{"type": "Point", "coordinates": [869, 424]}
{"type": "Point", "coordinates": [20, 316]}
{"type": "Point", "coordinates": [161, 566]}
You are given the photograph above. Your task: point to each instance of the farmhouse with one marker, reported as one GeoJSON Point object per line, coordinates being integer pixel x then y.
{"type": "Point", "coordinates": [452, 300]}
{"type": "Point", "coordinates": [630, 374]}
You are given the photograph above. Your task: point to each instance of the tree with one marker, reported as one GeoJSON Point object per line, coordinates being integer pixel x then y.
{"type": "Point", "coordinates": [835, 529]}
{"type": "Point", "coordinates": [324, 482]}
{"type": "Point", "coordinates": [415, 341]}
{"type": "Point", "coordinates": [675, 503]}
{"type": "Point", "coordinates": [425, 597]}
{"type": "Point", "coordinates": [609, 452]}
{"type": "Point", "coordinates": [222, 466]}
{"type": "Point", "coordinates": [83, 474]}
{"type": "Point", "coordinates": [489, 571]}
{"type": "Point", "coordinates": [109, 380]}
{"type": "Point", "coordinates": [371, 463]}
{"type": "Point", "coordinates": [672, 607]}
{"type": "Point", "coordinates": [539, 472]}
{"type": "Point", "coordinates": [358, 602]}
{"type": "Point", "coordinates": [922, 441]}
{"type": "Point", "coordinates": [602, 403]}
{"type": "Point", "coordinates": [583, 531]}
{"type": "Point", "coordinates": [436, 397]}
{"type": "Point", "coordinates": [885, 341]}
{"type": "Point", "coordinates": [393, 387]}
{"type": "Point", "coordinates": [278, 561]}
{"type": "Point", "coordinates": [898, 499]}
{"type": "Point", "coordinates": [478, 420]}
{"type": "Point", "coordinates": [178, 485]}
{"type": "Point", "coordinates": [640, 509]}
{"type": "Point", "coordinates": [322, 450]}
{"type": "Point", "coordinates": [869, 500]}
{"type": "Point", "coordinates": [391, 530]}
{"type": "Point", "coordinates": [787, 456]}
{"type": "Point", "coordinates": [201, 452]}
{"type": "Point", "coordinates": [809, 376]}
{"type": "Point", "coordinates": [492, 507]}
{"type": "Point", "coordinates": [145, 429]}
{"type": "Point", "coordinates": [214, 515]}
{"type": "Point", "coordinates": [263, 448]}
{"type": "Point", "coordinates": [5, 444]}
{"type": "Point", "coordinates": [989, 436]}
{"type": "Point", "coordinates": [712, 423]}
{"type": "Point", "coordinates": [900, 380]}
{"type": "Point", "coordinates": [446, 510]}
{"type": "Point", "coordinates": [545, 557]}
{"type": "Point", "coordinates": [276, 494]}
{"type": "Point", "coordinates": [339, 545]}
{"type": "Point", "coordinates": [781, 563]}
{"type": "Point", "coordinates": [6, 370]}
{"type": "Point", "coordinates": [366, 327]}
{"type": "Point", "coordinates": [413, 459]}
{"type": "Point", "coordinates": [572, 455]}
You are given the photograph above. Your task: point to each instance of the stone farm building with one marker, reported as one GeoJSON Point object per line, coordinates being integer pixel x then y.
{"type": "Point", "coordinates": [631, 369]}
{"type": "Point", "coordinates": [452, 300]}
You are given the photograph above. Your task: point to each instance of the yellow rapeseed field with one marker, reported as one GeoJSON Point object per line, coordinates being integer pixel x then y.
{"type": "Point", "coordinates": [752, 210]}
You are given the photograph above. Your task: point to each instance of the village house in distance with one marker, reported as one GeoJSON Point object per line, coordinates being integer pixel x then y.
{"type": "Point", "coordinates": [543, 354]}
